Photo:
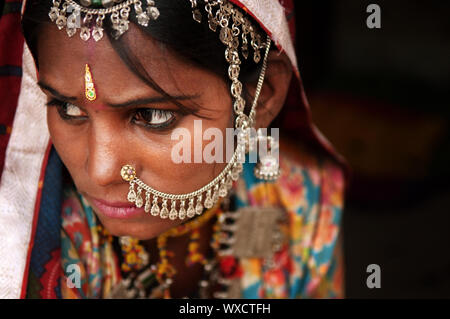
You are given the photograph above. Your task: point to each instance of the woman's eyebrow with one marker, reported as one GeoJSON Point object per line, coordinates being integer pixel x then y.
{"type": "Point", "coordinates": [55, 93]}
{"type": "Point", "coordinates": [152, 100]}
{"type": "Point", "coordinates": [139, 101]}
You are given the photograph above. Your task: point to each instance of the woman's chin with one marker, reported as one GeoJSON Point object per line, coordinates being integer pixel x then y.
{"type": "Point", "coordinates": [146, 229]}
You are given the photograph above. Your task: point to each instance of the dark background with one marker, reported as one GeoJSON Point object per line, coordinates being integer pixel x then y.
{"type": "Point", "coordinates": [381, 96]}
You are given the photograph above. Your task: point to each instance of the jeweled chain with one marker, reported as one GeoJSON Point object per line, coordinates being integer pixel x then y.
{"type": "Point", "coordinates": [119, 16]}
{"type": "Point", "coordinates": [218, 187]}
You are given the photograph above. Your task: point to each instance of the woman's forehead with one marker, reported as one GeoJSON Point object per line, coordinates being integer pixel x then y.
{"type": "Point", "coordinates": [62, 60]}
{"type": "Point", "coordinates": [57, 50]}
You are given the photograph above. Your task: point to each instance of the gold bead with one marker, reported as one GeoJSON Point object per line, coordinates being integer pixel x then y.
{"type": "Point", "coordinates": [128, 172]}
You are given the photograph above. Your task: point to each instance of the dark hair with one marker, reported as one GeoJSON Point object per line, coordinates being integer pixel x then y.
{"type": "Point", "coordinates": [175, 27]}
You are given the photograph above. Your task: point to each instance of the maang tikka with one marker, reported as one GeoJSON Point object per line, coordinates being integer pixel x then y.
{"type": "Point", "coordinates": [89, 86]}
{"type": "Point", "coordinates": [236, 32]}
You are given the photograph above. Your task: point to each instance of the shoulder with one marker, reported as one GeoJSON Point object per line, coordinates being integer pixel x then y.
{"type": "Point", "coordinates": [311, 189]}
{"type": "Point", "coordinates": [308, 179]}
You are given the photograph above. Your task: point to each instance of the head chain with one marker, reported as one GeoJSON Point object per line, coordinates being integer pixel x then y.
{"type": "Point", "coordinates": [81, 16]}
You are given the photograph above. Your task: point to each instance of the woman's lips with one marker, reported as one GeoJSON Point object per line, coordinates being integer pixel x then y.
{"type": "Point", "coordinates": [116, 209]}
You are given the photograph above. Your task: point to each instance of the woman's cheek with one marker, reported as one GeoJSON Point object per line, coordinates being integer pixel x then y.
{"type": "Point", "coordinates": [162, 168]}
{"type": "Point", "coordinates": [151, 152]}
{"type": "Point", "coordinates": [65, 141]}
{"type": "Point", "coordinates": [56, 130]}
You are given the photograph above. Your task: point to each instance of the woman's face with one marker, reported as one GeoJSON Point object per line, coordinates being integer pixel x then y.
{"type": "Point", "coordinates": [128, 123]}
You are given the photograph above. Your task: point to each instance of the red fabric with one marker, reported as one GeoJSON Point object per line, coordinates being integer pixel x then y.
{"type": "Point", "coordinates": [11, 44]}
{"type": "Point", "coordinates": [50, 279]}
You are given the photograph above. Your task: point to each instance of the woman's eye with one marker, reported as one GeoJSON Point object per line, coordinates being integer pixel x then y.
{"type": "Point", "coordinates": [153, 118]}
{"type": "Point", "coordinates": [73, 110]}
{"type": "Point", "coordinates": [68, 111]}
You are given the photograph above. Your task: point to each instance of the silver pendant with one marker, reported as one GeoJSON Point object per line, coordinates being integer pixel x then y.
{"type": "Point", "coordinates": [256, 232]}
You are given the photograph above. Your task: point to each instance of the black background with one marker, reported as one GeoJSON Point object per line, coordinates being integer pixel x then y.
{"type": "Point", "coordinates": [381, 96]}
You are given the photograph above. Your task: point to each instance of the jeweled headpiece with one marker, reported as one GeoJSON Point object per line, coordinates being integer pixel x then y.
{"type": "Point", "coordinates": [82, 14]}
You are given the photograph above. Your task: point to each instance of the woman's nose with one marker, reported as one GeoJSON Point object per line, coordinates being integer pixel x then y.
{"type": "Point", "coordinates": [104, 159]}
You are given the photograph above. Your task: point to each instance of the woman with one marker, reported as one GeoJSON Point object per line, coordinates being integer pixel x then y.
{"type": "Point", "coordinates": [115, 215]}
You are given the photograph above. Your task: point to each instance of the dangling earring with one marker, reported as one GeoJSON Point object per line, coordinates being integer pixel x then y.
{"type": "Point", "coordinates": [268, 166]}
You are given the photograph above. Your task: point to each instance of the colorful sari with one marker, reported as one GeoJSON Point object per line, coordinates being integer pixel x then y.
{"type": "Point", "coordinates": [309, 265]}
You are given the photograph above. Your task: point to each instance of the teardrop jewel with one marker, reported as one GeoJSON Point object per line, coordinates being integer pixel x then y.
{"type": "Point", "coordinates": [229, 182]}
{"type": "Point", "coordinates": [199, 206]}
{"type": "Point", "coordinates": [147, 202]}
{"type": "Point", "coordinates": [139, 201]}
{"type": "Point", "coordinates": [173, 212]}
{"type": "Point", "coordinates": [71, 31]}
{"type": "Point", "coordinates": [208, 201]}
{"type": "Point", "coordinates": [182, 212]}
{"type": "Point", "coordinates": [191, 210]}
{"type": "Point", "coordinates": [223, 189]}
{"type": "Point", "coordinates": [215, 196]}
{"type": "Point", "coordinates": [85, 33]}
{"type": "Point", "coordinates": [97, 33]}
{"type": "Point", "coordinates": [155, 207]}
{"type": "Point", "coordinates": [234, 174]}
{"type": "Point", "coordinates": [164, 211]}
{"type": "Point", "coordinates": [131, 194]}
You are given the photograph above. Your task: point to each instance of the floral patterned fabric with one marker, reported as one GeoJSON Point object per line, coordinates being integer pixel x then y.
{"type": "Point", "coordinates": [309, 265]}
{"type": "Point", "coordinates": [83, 244]}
